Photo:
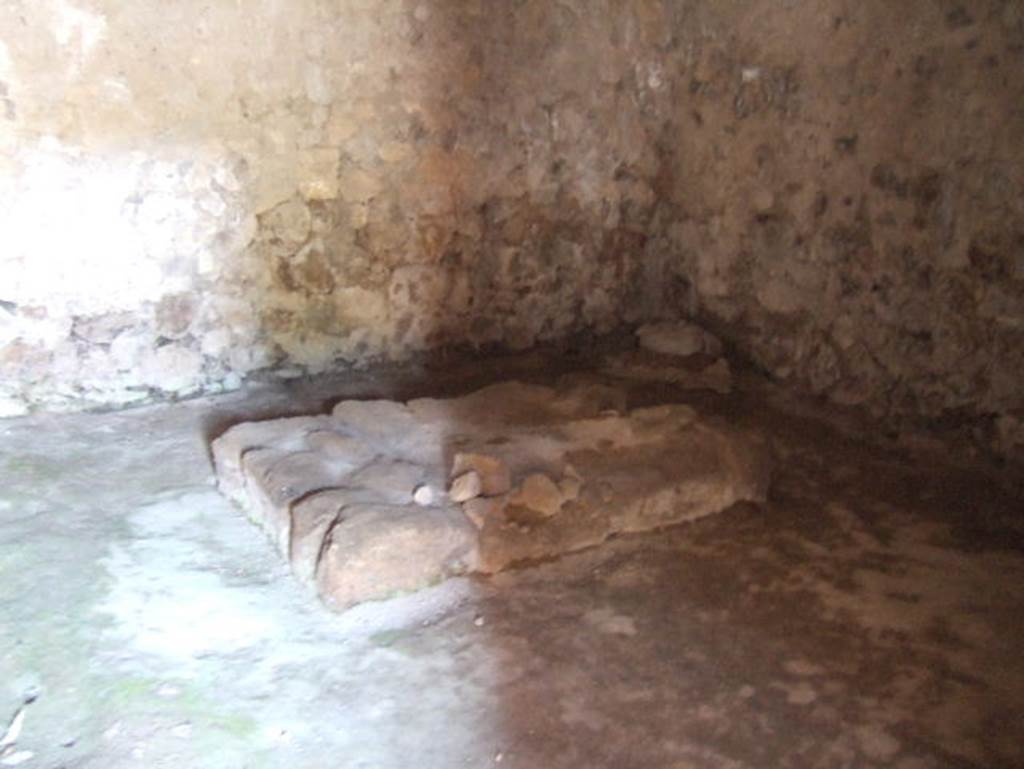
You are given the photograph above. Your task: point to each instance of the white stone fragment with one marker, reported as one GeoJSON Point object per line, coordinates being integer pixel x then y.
{"type": "Point", "coordinates": [424, 495]}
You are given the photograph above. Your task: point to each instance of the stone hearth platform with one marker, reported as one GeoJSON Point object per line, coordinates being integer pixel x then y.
{"type": "Point", "coordinates": [381, 498]}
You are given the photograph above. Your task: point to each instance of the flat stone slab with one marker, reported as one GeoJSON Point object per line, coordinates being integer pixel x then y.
{"type": "Point", "coordinates": [381, 498]}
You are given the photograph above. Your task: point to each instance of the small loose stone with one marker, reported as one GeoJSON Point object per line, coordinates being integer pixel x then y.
{"type": "Point", "coordinates": [495, 478]}
{"type": "Point", "coordinates": [538, 493]}
{"type": "Point", "coordinates": [423, 496]}
{"type": "Point", "coordinates": [466, 487]}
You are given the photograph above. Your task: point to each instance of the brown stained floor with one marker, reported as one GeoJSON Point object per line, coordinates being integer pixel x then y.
{"type": "Point", "coordinates": [872, 614]}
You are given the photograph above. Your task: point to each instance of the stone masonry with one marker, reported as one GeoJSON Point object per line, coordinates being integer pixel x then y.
{"type": "Point", "coordinates": [382, 498]}
{"type": "Point", "coordinates": [194, 193]}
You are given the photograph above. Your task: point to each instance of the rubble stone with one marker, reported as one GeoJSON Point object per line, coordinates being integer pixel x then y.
{"type": "Point", "coordinates": [539, 493]}
{"type": "Point", "coordinates": [466, 487]}
{"type": "Point", "coordinates": [493, 473]}
{"type": "Point", "coordinates": [678, 338]}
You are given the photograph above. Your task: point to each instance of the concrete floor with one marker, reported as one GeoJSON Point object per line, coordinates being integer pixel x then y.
{"type": "Point", "coordinates": [871, 615]}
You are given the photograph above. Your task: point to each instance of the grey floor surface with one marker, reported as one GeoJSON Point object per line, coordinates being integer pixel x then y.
{"type": "Point", "coordinates": [872, 614]}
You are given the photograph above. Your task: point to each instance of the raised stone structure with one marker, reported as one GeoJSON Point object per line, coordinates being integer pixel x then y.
{"type": "Point", "coordinates": [382, 497]}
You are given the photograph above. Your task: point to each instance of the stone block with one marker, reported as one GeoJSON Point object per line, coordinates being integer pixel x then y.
{"type": "Point", "coordinates": [551, 471]}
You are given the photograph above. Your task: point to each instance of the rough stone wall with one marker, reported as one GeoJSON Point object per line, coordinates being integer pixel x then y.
{"type": "Point", "coordinates": [845, 198]}
{"type": "Point", "coordinates": [193, 191]}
